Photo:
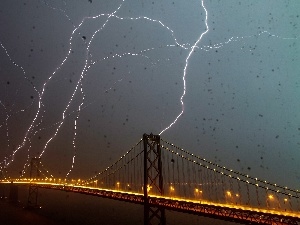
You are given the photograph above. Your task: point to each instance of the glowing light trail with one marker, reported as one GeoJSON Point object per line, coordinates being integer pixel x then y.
{"type": "Point", "coordinates": [35, 125]}
{"type": "Point", "coordinates": [185, 69]}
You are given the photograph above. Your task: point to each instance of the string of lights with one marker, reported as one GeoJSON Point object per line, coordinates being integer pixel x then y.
{"type": "Point", "coordinates": [239, 174]}
{"type": "Point", "coordinates": [273, 187]}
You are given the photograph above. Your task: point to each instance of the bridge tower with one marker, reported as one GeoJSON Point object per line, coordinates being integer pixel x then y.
{"type": "Point", "coordinates": [32, 201]}
{"type": "Point", "coordinates": [153, 179]}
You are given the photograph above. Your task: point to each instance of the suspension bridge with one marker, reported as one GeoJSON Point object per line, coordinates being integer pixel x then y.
{"type": "Point", "coordinates": [161, 176]}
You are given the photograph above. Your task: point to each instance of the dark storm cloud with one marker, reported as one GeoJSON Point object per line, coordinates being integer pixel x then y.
{"type": "Point", "coordinates": [241, 105]}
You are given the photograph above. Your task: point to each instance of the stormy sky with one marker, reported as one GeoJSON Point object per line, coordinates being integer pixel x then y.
{"type": "Point", "coordinates": [81, 81]}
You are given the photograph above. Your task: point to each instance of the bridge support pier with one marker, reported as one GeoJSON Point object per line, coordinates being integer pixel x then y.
{"type": "Point", "coordinates": [153, 179]}
{"type": "Point", "coordinates": [32, 201]}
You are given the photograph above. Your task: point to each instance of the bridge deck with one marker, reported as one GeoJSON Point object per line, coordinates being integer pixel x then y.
{"type": "Point", "coordinates": [238, 213]}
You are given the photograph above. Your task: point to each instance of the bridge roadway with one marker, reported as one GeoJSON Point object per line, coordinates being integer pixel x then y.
{"type": "Point", "coordinates": [230, 212]}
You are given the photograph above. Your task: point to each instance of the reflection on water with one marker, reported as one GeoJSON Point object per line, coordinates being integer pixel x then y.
{"type": "Point", "coordinates": [65, 208]}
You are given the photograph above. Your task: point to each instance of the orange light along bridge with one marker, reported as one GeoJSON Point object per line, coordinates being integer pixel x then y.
{"type": "Point", "coordinates": [160, 176]}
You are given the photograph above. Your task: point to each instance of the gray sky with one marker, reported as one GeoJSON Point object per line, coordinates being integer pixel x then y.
{"type": "Point", "coordinates": [117, 69]}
